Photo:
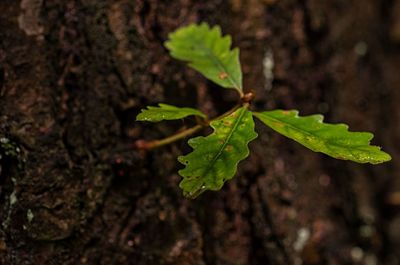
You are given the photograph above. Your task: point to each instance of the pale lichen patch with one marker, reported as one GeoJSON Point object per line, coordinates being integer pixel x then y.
{"type": "Point", "coordinates": [29, 19]}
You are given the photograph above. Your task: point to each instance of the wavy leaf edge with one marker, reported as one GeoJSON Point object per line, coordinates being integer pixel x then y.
{"type": "Point", "coordinates": [167, 112]}
{"type": "Point", "coordinates": [209, 52]}
{"type": "Point", "coordinates": [363, 153]}
{"type": "Point", "coordinates": [197, 180]}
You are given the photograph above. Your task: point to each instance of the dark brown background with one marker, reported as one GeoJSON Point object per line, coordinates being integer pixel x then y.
{"type": "Point", "coordinates": [73, 75]}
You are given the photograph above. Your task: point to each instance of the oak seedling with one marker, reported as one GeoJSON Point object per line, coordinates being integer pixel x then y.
{"type": "Point", "coordinates": [215, 157]}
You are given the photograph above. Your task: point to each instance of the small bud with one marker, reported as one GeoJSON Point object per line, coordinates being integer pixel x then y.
{"type": "Point", "coordinates": [140, 144]}
{"type": "Point", "coordinates": [248, 97]}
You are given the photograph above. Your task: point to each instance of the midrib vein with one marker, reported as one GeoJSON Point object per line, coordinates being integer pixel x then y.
{"type": "Point", "coordinates": [232, 130]}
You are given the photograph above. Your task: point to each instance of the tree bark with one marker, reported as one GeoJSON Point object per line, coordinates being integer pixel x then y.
{"type": "Point", "coordinates": [73, 75]}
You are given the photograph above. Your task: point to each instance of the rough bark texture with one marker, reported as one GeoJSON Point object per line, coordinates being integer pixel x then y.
{"type": "Point", "coordinates": [73, 75]}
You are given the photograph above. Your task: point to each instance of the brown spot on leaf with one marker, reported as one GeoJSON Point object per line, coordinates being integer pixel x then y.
{"type": "Point", "coordinates": [223, 75]}
{"type": "Point", "coordinates": [228, 123]}
{"type": "Point", "coordinates": [228, 148]}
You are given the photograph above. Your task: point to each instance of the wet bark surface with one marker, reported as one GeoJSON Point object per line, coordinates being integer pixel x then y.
{"type": "Point", "coordinates": [73, 75]}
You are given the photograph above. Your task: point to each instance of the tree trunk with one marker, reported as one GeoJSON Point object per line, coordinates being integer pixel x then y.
{"type": "Point", "coordinates": [73, 75]}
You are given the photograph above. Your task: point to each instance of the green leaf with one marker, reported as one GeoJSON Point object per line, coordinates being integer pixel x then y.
{"type": "Point", "coordinates": [207, 51]}
{"type": "Point", "coordinates": [332, 139]}
{"type": "Point", "coordinates": [214, 158]}
{"type": "Point", "coordinates": [166, 112]}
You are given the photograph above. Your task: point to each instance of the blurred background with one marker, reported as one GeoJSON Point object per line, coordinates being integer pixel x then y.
{"type": "Point", "coordinates": [75, 73]}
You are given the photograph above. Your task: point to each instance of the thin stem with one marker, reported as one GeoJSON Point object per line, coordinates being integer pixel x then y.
{"type": "Point", "coordinates": [232, 110]}
{"type": "Point", "coordinates": [141, 144]}
{"type": "Point", "coordinates": [168, 140]}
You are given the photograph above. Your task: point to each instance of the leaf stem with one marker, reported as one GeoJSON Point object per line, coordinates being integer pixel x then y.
{"type": "Point", "coordinates": [158, 143]}
{"type": "Point", "coordinates": [232, 110]}
{"type": "Point", "coordinates": [141, 144]}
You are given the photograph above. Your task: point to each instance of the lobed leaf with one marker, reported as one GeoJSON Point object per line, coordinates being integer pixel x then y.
{"type": "Point", "coordinates": [332, 139]}
{"type": "Point", "coordinates": [166, 112]}
{"type": "Point", "coordinates": [207, 51]}
{"type": "Point", "coordinates": [214, 158]}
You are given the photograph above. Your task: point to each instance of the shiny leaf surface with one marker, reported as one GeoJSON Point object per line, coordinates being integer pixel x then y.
{"type": "Point", "coordinates": [166, 112]}
{"type": "Point", "coordinates": [207, 51]}
{"type": "Point", "coordinates": [332, 139]}
{"type": "Point", "coordinates": [214, 158]}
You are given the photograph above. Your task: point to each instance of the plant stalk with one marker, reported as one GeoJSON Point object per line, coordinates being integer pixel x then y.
{"type": "Point", "coordinates": [158, 143]}
{"type": "Point", "coordinates": [142, 144]}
